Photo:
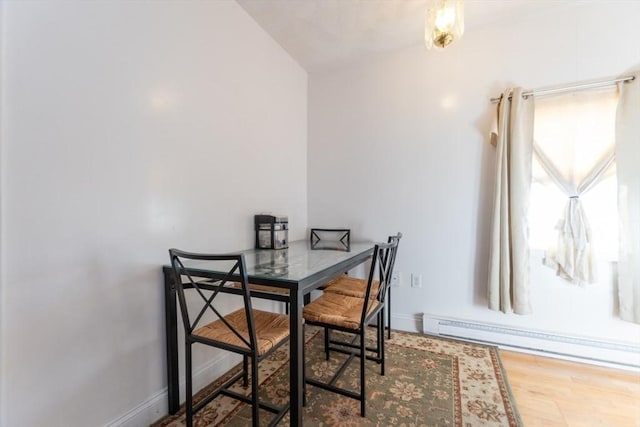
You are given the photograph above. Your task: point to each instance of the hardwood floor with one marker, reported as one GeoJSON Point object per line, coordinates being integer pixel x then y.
{"type": "Point", "coordinates": [551, 392]}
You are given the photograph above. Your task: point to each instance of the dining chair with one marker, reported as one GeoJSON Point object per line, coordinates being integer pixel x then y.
{"type": "Point", "coordinates": [351, 315]}
{"type": "Point", "coordinates": [356, 287]}
{"type": "Point", "coordinates": [330, 239]}
{"type": "Point", "coordinates": [252, 333]}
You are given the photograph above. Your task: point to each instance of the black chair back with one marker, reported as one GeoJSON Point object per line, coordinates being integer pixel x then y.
{"type": "Point", "coordinates": [232, 269]}
{"type": "Point", "coordinates": [392, 261]}
{"type": "Point", "coordinates": [330, 238]}
{"type": "Point", "coordinates": [383, 256]}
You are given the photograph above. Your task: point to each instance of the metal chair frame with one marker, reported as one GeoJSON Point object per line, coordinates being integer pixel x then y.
{"type": "Point", "coordinates": [342, 243]}
{"type": "Point", "coordinates": [343, 237]}
{"type": "Point", "coordinates": [397, 238]}
{"type": "Point", "coordinates": [237, 273]}
{"type": "Point", "coordinates": [328, 341]}
{"type": "Point", "coordinates": [383, 255]}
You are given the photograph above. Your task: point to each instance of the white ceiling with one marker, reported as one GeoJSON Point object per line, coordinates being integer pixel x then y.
{"type": "Point", "coordinates": [324, 33]}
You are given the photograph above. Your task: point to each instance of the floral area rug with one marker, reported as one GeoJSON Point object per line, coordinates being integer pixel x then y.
{"type": "Point", "coordinates": [429, 382]}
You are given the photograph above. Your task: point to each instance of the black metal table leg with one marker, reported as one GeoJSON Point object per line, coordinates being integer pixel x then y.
{"type": "Point", "coordinates": [296, 350]}
{"type": "Point", "coordinates": [171, 331]}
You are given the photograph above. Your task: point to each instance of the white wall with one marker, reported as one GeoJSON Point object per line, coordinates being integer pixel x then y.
{"type": "Point", "coordinates": [1, 191]}
{"type": "Point", "coordinates": [405, 138]}
{"type": "Point", "coordinates": [128, 128]}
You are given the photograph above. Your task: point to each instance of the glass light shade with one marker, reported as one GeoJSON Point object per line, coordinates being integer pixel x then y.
{"type": "Point", "coordinates": [444, 23]}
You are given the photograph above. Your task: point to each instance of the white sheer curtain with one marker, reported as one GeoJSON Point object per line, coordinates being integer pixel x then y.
{"type": "Point", "coordinates": [572, 256]}
{"type": "Point", "coordinates": [628, 170]}
{"type": "Point", "coordinates": [574, 148]}
{"type": "Point", "coordinates": [508, 289]}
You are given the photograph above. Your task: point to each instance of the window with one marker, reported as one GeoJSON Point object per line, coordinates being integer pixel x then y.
{"type": "Point", "coordinates": [575, 132]}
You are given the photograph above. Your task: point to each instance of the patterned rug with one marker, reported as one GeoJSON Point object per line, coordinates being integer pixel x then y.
{"type": "Point", "coordinates": [429, 382]}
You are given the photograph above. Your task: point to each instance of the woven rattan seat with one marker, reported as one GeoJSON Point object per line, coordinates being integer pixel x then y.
{"type": "Point", "coordinates": [338, 310]}
{"type": "Point", "coordinates": [351, 287]}
{"type": "Point", "coordinates": [271, 329]}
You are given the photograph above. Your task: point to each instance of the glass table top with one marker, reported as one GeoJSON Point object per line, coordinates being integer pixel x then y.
{"type": "Point", "coordinates": [299, 261]}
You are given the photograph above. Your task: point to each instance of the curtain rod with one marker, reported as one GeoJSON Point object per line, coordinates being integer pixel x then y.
{"type": "Point", "coordinates": [571, 87]}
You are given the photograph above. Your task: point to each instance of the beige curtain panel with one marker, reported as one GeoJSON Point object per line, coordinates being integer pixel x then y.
{"type": "Point", "coordinates": [628, 170]}
{"type": "Point", "coordinates": [508, 289]}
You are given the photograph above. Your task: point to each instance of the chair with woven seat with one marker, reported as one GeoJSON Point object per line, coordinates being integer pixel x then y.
{"type": "Point", "coordinates": [254, 334]}
{"type": "Point", "coordinates": [355, 287]}
{"type": "Point", "coordinates": [343, 313]}
{"type": "Point", "coordinates": [330, 239]}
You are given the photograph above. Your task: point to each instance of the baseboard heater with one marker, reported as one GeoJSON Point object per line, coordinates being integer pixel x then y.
{"type": "Point", "coordinates": [617, 354]}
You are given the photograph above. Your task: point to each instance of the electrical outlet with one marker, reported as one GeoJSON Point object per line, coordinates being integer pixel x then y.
{"type": "Point", "coordinates": [396, 279]}
{"type": "Point", "coordinates": [416, 280]}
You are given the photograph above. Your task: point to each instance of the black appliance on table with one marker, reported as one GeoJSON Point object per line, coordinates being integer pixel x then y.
{"type": "Point", "coordinates": [272, 231]}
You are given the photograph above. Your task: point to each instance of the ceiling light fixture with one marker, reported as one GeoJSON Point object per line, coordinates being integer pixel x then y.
{"type": "Point", "coordinates": [444, 23]}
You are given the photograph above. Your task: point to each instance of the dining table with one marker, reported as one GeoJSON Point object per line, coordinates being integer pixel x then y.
{"type": "Point", "coordinates": [300, 268]}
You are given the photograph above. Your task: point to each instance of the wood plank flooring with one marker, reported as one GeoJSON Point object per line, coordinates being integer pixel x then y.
{"type": "Point", "coordinates": [551, 392]}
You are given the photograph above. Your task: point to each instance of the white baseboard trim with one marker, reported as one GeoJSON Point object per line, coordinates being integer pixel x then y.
{"type": "Point", "coordinates": [155, 407]}
{"type": "Point", "coordinates": [407, 322]}
{"type": "Point", "coordinates": [586, 350]}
